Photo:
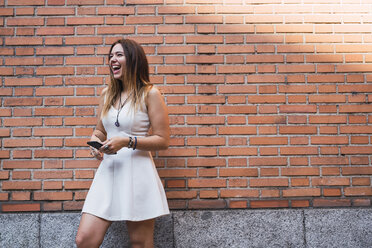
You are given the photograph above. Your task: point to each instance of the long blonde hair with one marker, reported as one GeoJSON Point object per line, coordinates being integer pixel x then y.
{"type": "Point", "coordinates": [135, 79]}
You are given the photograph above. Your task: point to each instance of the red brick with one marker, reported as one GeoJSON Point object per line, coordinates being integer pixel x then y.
{"type": "Point", "coordinates": [178, 152]}
{"type": "Point", "coordinates": [329, 161]}
{"type": "Point", "coordinates": [361, 181]}
{"type": "Point", "coordinates": [208, 120]}
{"type": "Point", "coordinates": [53, 153]}
{"type": "Point", "coordinates": [207, 204]}
{"type": "Point", "coordinates": [204, 39]}
{"type": "Point", "coordinates": [244, 130]}
{"type": "Point", "coordinates": [205, 162]}
{"type": "Point", "coordinates": [356, 150]}
{"type": "Point", "coordinates": [297, 108]}
{"type": "Point", "coordinates": [300, 171]}
{"type": "Point", "coordinates": [205, 79]}
{"type": "Point", "coordinates": [238, 172]}
{"type": "Point", "coordinates": [22, 101]}
{"type": "Point", "coordinates": [277, 161]}
{"type": "Point", "coordinates": [301, 192]}
{"type": "Point", "coordinates": [361, 202]}
{"type": "Point", "coordinates": [176, 9]}
{"type": "Point", "coordinates": [206, 183]}
{"type": "Point", "coordinates": [243, 151]}
{"type": "Point", "coordinates": [297, 130]}
{"type": "Point", "coordinates": [19, 21]}
{"type": "Point", "coordinates": [205, 99]}
{"type": "Point", "coordinates": [206, 141]}
{"type": "Point", "coordinates": [325, 78]}
{"type": "Point", "coordinates": [331, 203]}
{"type": "Point", "coordinates": [77, 184]}
{"type": "Point", "coordinates": [204, 59]}
{"type": "Point", "coordinates": [50, 196]}
{"type": "Point", "coordinates": [25, 207]}
{"type": "Point", "coordinates": [77, 121]}
{"type": "Point", "coordinates": [269, 204]}
{"type": "Point", "coordinates": [53, 174]}
{"type": "Point", "coordinates": [26, 2]}
{"type": "Point", "coordinates": [327, 119]}
{"type": "Point", "coordinates": [177, 173]}
{"type": "Point", "coordinates": [176, 183]}
{"type": "Point", "coordinates": [4, 196]}
{"type": "Point", "coordinates": [236, 69]}
{"type": "Point", "coordinates": [21, 196]}
{"type": "Point", "coordinates": [357, 170]}
{"type": "Point", "coordinates": [330, 181]}
{"type": "Point", "coordinates": [270, 182]}
{"type": "Point", "coordinates": [268, 141]}
{"type": "Point", "coordinates": [327, 98]}
{"type": "Point", "coordinates": [21, 185]}
{"type": "Point", "coordinates": [4, 175]}
{"type": "Point", "coordinates": [212, 172]}
{"type": "Point", "coordinates": [235, 29]}
{"type": "Point", "coordinates": [329, 140]}
{"type": "Point", "coordinates": [356, 129]}
{"type": "Point", "coordinates": [52, 131]}
{"type": "Point", "coordinates": [22, 142]}
{"type": "Point", "coordinates": [239, 193]}
{"type": "Point", "coordinates": [238, 109]}
{"type": "Point", "coordinates": [181, 194]}
{"type": "Point", "coordinates": [358, 191]}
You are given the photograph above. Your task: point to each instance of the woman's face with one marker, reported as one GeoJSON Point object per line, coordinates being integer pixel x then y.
{"type": "Point", "coordinates": [117, 61]}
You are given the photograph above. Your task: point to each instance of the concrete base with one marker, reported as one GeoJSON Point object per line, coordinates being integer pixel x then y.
{"type": "Point", "coordinates": [223, 228]}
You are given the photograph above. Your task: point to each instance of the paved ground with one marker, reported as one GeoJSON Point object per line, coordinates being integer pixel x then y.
{"type": "Point", "coordinates": [187, 229]}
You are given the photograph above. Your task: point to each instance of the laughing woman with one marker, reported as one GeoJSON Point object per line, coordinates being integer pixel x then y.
{"type": "Point", "coordinates": [126, 185]}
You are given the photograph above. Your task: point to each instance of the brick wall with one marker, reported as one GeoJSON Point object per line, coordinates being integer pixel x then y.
{"type": "Point", "coordinates": [269, 100]}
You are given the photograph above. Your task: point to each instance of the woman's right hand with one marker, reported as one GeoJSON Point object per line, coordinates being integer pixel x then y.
{"type": "Point", "coordinates": [96, 153]}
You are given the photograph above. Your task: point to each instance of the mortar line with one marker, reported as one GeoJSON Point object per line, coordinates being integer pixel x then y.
{"type": "Point", "coordinates": [304, 227]}
{"type": "Point", "coordinates": [173, 236]}
{"type": "Point", "coordinates": [39, 231]}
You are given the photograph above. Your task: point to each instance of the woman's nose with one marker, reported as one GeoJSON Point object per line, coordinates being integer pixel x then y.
{"type": "Point", "coordinates": [113, 58]}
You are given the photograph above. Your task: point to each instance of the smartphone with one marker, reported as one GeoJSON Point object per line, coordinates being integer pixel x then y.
{"type": "Point", "coordinates": [95, 144]}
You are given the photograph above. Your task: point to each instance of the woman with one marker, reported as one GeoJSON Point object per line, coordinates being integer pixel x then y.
{"type": "Point", "coordinates": [126, 185]}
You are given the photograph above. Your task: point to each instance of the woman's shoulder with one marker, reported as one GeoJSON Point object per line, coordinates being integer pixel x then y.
{"type": "Point", "coordinates": [153, 95]}
{"type": "Point", "coordinates": [104, 91]}
{"type": "Point", "coordinates": [154, 91]}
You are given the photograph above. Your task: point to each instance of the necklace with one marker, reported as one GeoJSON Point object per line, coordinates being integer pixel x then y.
{"type": "Point", "coordinates": [120, 108]}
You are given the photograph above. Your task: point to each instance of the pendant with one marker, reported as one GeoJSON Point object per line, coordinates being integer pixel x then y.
{"type": "Point", "coordinates": [117, 123]}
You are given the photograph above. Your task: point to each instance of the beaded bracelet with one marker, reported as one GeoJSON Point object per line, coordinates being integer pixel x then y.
{"type": "Point", "coordinates": [130, 143]}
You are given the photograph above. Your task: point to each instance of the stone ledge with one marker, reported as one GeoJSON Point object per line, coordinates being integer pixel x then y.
{"type": "Point", "coordinates": [206, 228]}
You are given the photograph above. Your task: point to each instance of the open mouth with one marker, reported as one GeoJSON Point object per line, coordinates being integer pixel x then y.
{"type": "Point", "coordinates": [115, 69]}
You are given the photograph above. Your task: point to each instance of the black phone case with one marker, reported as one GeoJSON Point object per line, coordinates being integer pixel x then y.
{"type": "Point", "coordinates": [94, 144]}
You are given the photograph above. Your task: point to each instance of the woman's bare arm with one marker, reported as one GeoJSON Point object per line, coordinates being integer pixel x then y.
{"type": "Point", "coordinates": [159, 120]}
{"type": "Point", "coordinates": [99, 133]}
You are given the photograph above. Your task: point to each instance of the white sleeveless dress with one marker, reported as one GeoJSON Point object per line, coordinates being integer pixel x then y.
{"type": "Point", "coordinates": [126, 186]}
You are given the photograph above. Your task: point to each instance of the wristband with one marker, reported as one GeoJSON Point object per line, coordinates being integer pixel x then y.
{"type": "Point", "coordinates": [135, 143]}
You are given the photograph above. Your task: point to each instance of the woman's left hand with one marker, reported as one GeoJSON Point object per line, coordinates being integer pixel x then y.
{"type": "Point", "coordinates": [113, 145]}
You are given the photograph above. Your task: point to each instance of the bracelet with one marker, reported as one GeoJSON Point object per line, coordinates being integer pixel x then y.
{"type": "Point", "coordinates": [135, 143]}
{"type": "Point", "coordinates": [130, 143]}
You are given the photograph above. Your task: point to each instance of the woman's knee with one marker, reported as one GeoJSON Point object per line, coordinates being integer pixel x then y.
{"type": "Point", "coordinates": [85, 240]}
{"type": "Point", "coordinates": [141, 234]}
{"type": "Point", "coordinates": [91, 231]}
{"type": "Point", "coordinates": [79, 240]}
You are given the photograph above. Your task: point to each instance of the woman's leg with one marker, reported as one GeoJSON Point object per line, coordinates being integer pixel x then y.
{"type": "Point", "coordinates": [141, 233]}
{"type": "Point", "coordinates": [91, 232]}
